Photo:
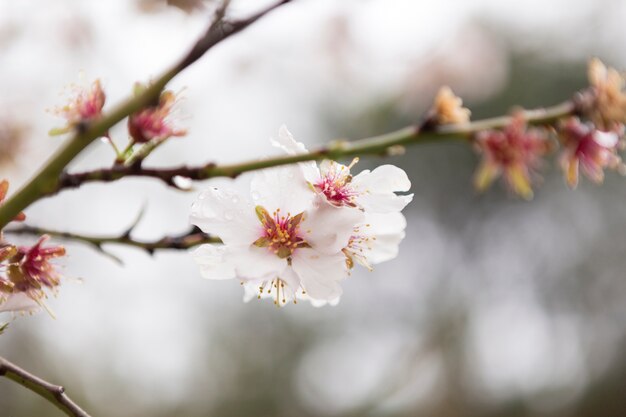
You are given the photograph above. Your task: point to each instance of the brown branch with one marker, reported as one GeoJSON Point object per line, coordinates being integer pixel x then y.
{"type": "Point", "coordinates": [53, 393]}
{"type": "Point", "coordinates": [187, 240]}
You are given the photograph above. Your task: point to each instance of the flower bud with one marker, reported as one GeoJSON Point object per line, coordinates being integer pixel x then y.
{"type": "Point", "coordinates": [154, 122]}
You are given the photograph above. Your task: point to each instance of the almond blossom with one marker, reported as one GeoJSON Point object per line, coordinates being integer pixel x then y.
{"type": "Point", "coordinates": [588, 149]}
{"type": "Point", "coordinates": [303, 227]}
{"type": "Point", "coordinates": [153, 123]}
{"type": "Point", "coordinates": [28, 274]}
{"type": "Point", "coordinates": [377, 238]}
{"type": "Point", "coordinates": [85, 106]}
{"type": "Point", "coordinates": [514, 152]}
{"type": "Point", "coordinates": [448, 108]}
{"type": "Point", "coordinates": [281, 238]}
{"type": "Point", "coordinates": [608, 111]}
{"type": "Point", "coordinates": [373, 191]}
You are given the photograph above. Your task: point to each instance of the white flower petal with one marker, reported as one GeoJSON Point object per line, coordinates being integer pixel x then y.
{"type": "Point", "coordinates": [19, 302]}
{"type": "Point", "coordinates": [290, 146]}
{"type": "Point", "coordinates": [606, 139]}
{"type": "Point", "coordinates": [377, 189]}
{"type": "Point", "coordinates": [256, 263]}
{"type": "Point", "coordinates": [226, 214]}
{"type": "Point", "coordinates": [384, 203]}
{"type": "Point", "coordinates": [319, 274]}
{"type": "Point", "coordinates": [213, 263]}
{"type": "Point", "coordinates": [283, 188]}
{"type": "Point", "coordinates": [287, 143]}
{"type": "Point", "coordinates": [383, 179]}
{"type": "Point", "coordinates": [322, 303]}
{"type": "Point", "coordinates": [388, 229]}
{"type": "Point", "coordinates": [328, 228]}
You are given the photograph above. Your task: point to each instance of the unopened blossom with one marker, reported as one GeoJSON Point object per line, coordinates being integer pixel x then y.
{"type": "Point", "coordinates": [608, 110]}
{"type": "Point", "coordinates": [514, 153]}
{"type": "Point", "coordinates": [448, 108]}
{"type": "Point", "coordinates": [29, 273]}
{"type": "Point", "coordinates": [282, 238]}
{"type": "Point", "coordinates": [85, 106]}
{"type": "Point", "coordinates": [4, 189]}
{"type": "Point", "coordinates": [154, 123]}
{"type": "Point", "coordinates": [588, 149]}
{"type": "Point", "coordinates": [373, 191]}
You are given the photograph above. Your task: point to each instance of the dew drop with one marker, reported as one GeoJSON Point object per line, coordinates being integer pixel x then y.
{"type": "Point", "coordinates": [235, 199]}
{"type": "Point", "coordinates": [255, 195]}
{"type": "Point", "coordinates": [228, 215]}
{"type": "Point", "coordinates": [201, 196]}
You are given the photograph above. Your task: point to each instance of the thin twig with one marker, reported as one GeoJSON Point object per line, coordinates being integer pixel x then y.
{"type": "Point", "coordinates": [46, 180]}
{"type": "Point", "coordinates": [383, 145]}
{"type": "Point", "coordinates": [187, 240]}
{"type": "Point", "coordinates": [53, 393]}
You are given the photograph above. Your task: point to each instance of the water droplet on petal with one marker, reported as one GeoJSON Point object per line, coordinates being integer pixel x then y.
{"type": "Point", "coordinates": [228, 215]}
{"type": "Point", "coordinates": [235, 199]}
{"type": "Point", "coordinates": [255, 195]}
{"type": "Point", "coordinates": [201, 196]}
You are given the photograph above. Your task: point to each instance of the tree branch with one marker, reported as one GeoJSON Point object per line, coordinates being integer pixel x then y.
{"type": "Point", "coordinates": [53, 393]}
{"type": "Point", "coordinates": [46, 181]}
{"type": "Point", "coordinates": [387, 144]}
{"type": "Point", "coordinates": [187, 240]}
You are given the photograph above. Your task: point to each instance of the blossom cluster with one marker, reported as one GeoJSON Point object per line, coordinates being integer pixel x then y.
{"type": "Point", "coordinates": [302, 228]}
{"type": "Point", "coordinates": [149, 126]}
{"type": "Point", "coordinates": [26, 272]}
{"type": "Point", "coordinates": [589, 141]}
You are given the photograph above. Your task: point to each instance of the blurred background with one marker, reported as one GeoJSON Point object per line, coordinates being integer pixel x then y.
{"type": "Point", "coordinates": [494, 307]}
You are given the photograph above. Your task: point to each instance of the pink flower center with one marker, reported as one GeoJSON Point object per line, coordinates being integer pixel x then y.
{"type": "Point", "coordinates": [335, 184]}
{"type": "Point", "coordinates": [280, 234]}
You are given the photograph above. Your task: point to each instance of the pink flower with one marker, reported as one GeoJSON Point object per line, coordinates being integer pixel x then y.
{"type": "Point", "coordinates": [85, 106]}
{"type": "Point", "coordinates": [588, 148]}
{"type": "Point", "coordinates": [514, 152]}
{"type": "Point", "coordinates": [154, 122]}
{"type": "Point", "coordinates": [373, 191]}
{"type": "Point", "coordinates": [29, 273]}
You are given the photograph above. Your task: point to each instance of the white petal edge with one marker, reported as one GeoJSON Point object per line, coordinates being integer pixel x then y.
{"type": "Point", "coordinates": [19, 303]}
{"type": "Point", "coordinates": [224, 213]}
{"type": "Point", "coordinates": [388, 229]}
{"type": "Point", "coordinates": [213, 263]}
{"type": "Point", "coordinates": [319, 274]}
{"type": "Point", "coordinates": [328, 228]}
{"type": "Point", "coordinates": [290, 146]}
{"type": "Point", "coordinates": [283, 188]}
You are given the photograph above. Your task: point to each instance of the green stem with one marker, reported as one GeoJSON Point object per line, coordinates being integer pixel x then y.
{"type": "Point", "coordinates": [383, 145]}
{"type": "Point", "coordinates": [47, 179]}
